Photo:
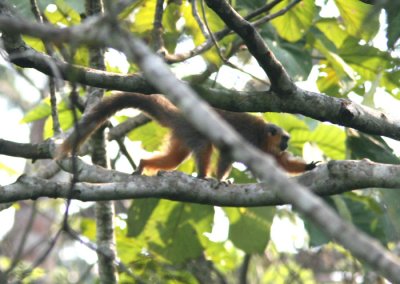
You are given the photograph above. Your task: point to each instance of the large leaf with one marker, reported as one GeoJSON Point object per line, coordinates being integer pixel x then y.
{"type": "Point", "coordinates": [334, 31]}
{"type": "Point", "coordinates": [362, 146]}
{"type": "Point", "coordinates": [343, 70]}
{"type": "Point", "coordinates": [180, 238]}
{"type": "Point", "coordinates": [331, 139]}
{"type": "Point", "coordinates": [358, 18]}
{"type": "Point", "coordinates": [362, 210]}
{"type": "Point", "coordinates": [144, 17]}
{"type": "Point", "coordinates": [256, 220]}
{"type": "Point", "coordinates": [393, 18]}
{"type": "Point", "coordinates": [368, 61]}
{"type": "Point", "coordinates": [296, 22]}
{"type": "Point", "coordinates": [170, 231]}
{"type": "Point", "coordinates": [287, 121]}
{"type": "Point", "coordinates": [152, 135]}
{"type": "Point", "coordinates": [366, 214]}
{"type": "Point", "coordinates": [293, 56]}
{"type": "Point", "coordinates": [139, 213]}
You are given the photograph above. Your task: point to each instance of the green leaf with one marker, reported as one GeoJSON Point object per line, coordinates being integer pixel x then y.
{"type": "Point", "coordinates": [295, 23]}
{"type": "Point", "coordinates": [180, 240]}
{"type": "Point", "coordinates": [317, 236]}
{"type": "Point", "coordinates": [144, 18]}
{"type": "Point", "coordinates": [331, 139]}
{"type": "Point", "coordinates": [366, 214]}
{"type": "Point", "coordinates": [249, 5]}
{"type": "Point", "coordinates": [366, 60]}
{"type": "Point", "coordinates": [225, 257]}
{"type": "Point", "coordinates": [64, 14]}
{"type": "Point", "coordinates": [334, 31]}
{"type": "Point", "coordinates": [392, 9]}
{"type": "Point", "coordinates": [390, 81]}
{"type": "Point", "coordinates": [358, 18]}
{"type": "Point", "coordinates": [66, 120]}
{"type": "Point", "coordinates": [88, 228]}
{"type": "Point", "coordinates": [193, 29]}
{"type": "Point", "coordinates": [364, 211]}
{"type": "Point", "coordinates": [288, 271]}
{"type": "Point", "coordinates": [35, 43]}
{"type": "Point", "coordinates": [256, 220]}
{"type": "Point", "coordinates": [328, 81]}
{"type": "Point", "coordinates": [287, 121]}
{"type": "Point", "coordinates": [151, 135]}
{"type": "Point", "coordinates": [342, 69]}
{"type": "Point", "coordinates": [391, 217]}
{"type": "Point", "coordinates": [139, 213]}
{"type": "Point", "coordinates": [294, 56]}
{"type": "Point", "coordinates": [241, 176]}
{"type": "Point", "coordinates": [42, 110]}
{"type": "Point", "coordinates": [23, 10]}
{"type": "Point", "coordinates": [362, 146]}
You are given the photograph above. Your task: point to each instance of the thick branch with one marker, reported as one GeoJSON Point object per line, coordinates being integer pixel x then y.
{"type": "Point", "coordinates": [25, 150]}
{"type": "Point", "coordinates": [99, 184]}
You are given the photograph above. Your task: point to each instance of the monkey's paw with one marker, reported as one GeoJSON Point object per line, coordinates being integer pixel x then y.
{"type": "Point", "coordinates": [312, 165]}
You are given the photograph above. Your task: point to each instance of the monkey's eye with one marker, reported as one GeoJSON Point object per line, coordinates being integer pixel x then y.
{"type": "Point", "coordinates": [273, 131]}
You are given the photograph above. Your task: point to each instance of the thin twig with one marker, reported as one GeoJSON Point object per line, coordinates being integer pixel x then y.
{"type": "Point", "coordinates": [196, 16]}
{"type": "Point", "coordinates": [211, 35]}
{"type": "Point", "coordinates": [42, 258]}
{"type": "Point", "coordinates": [22, 242]}
{"type": "Point", "coordinates": [157, 26]}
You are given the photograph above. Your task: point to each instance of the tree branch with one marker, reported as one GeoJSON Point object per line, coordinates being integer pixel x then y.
{"type": "Point", "coordinates": [280, 80]}
{"type": "Point", "coordinates": [25, 150]}
{"type": "Point", "coordinates": [97, 183]}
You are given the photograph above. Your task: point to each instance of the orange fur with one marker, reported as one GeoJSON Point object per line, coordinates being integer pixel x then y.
{"type": "Point", "coordinates": [184, 139]}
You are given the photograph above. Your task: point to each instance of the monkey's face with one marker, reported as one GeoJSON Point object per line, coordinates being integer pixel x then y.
{"type": "Point", "coordinates": [284, 141]}
{"type": "Point", "coordinates": [277, 139]}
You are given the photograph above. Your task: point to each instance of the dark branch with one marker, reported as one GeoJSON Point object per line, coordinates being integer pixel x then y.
{"type": "Point", "coordinates": [25, 150]}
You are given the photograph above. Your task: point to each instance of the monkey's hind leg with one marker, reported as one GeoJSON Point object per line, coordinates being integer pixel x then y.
{"type": "Point", "coordinates": [202, 155]}
{"type": "Point", "coordinates": [175, 154]}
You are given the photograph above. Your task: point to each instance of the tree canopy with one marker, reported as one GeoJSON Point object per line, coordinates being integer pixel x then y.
{"type": "Point", "coordinates": [326, 71]}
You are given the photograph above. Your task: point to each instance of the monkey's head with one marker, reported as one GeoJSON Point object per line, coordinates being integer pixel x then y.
{"type": "Point", "coordinates": [276, 139]}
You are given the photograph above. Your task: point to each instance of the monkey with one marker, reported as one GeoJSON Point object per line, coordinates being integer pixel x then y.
{"type": "Point", "coordinates": [184, 139]}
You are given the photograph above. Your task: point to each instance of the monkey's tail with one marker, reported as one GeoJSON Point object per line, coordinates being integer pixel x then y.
{"type": "Point", "coordinates": [155, 106]}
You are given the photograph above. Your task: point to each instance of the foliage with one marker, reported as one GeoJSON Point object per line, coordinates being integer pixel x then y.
{"type": "Point", "coordinates": [159, 239]}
